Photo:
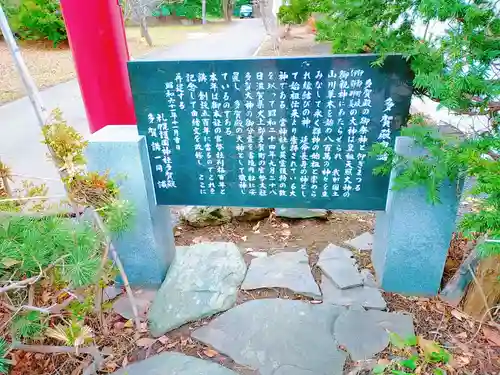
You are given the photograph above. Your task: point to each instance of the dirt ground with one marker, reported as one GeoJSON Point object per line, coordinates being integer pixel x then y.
{"type": "Point", "coordinates": [50, 66]}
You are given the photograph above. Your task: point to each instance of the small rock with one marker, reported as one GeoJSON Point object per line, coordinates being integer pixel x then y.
{"type": "Point", "coordinates": [172, 363]}
{"type": "Point", "coordinates": [283, 270]}
{"type": "Point", "coordinates": [143, 298]}
{"type": "Point", "coordinates": [368, 278]}
{"type": "Point", "coordinates": [300, 213]}
{"type": "Point", "coordinates": [204, 216]}
{"type": "Point", "coordinates": [250, 213]}
{"type": "Point", "coordinates": [340, 268]}
{"type": "Point", "coordinates": [110, 292]}
{"type": "Point", "coordinates": [366, 333]}
{"type": "Point", "coordinates": [202, 280]}
{"type": "Point", "coordinates": [363, 242]}
{"type": "Point", "coordinates": [363, 296]}
{"type": "Point", "coordinates": [271, 335]}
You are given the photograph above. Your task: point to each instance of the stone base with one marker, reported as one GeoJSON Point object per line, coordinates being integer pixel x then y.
{"type": "Point", "coordinates": [148, 248]}
{"type": "Point", "coordinates": [412, 236]}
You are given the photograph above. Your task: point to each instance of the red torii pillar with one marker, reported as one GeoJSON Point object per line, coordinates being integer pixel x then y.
{"type": "Point", "coordinates": [99, 46]}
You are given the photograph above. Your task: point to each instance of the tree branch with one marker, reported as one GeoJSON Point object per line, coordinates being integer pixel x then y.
{"type": "Point", "coordinates": [119, 264]}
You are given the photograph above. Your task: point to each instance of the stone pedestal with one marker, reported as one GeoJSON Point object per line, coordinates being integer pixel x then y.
{"type": "Point", "coordinates": [412, 236]}
{"type": "Point", "coordinates": [148, 248]}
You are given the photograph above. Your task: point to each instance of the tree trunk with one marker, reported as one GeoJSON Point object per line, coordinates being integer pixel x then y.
{"type": "Point", "coordinates": [479, 300]}
{"type": "Point", "coordinates": [456, 287]}
{"type": "Point", "coordinates": [226, 9]}
{"type": "Point", "coordinates": [145, 31]}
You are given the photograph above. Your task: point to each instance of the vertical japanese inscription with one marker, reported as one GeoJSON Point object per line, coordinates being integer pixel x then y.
{"type": "Point", "coordinates": [282, 135]}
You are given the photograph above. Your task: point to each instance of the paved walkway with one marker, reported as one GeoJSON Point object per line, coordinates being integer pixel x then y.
{"type": "Point", "coordinates": [20, 145]}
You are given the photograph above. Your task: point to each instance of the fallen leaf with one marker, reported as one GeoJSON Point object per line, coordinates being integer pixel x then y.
{"type": "Point", "coordinates": [286, 233]}
{"type": "Point", "coordinates": [459, 315]}
{"type": "Point", "coordinates": [462, 335]}
{"type": "Point", "coordinates": [384, 361]}
{"type": "Point", "coordinates": [163, 340]}
{"type": "Point", "coordinates": [46, 296]}
{"type": "Point", "coordinates": [7, 262]}
{"type": "Point", "coordinates": [210, 353]}
{"type": "Point", "coordinates": [145, 342]}
{"type": "Point", "coordinates": [171, 345]}
{"type": "Point", "coordinates": [125, 362]}
{"type": "Point", "coordinates": [439, 306]}
{"type": "Point", "coordinates": [198, 239]}
{"type": "Point", "coordinates": [256, 226]}
{"type": "Point", "coordinates": [128, 324]}
{"type": "Point", "coordinates": [111, 366]}
{"type": "Point", "coordinates": [244, 238]}
{"type": "Point", "coordinates": [492, 335]}
{"type": "Point", "coordinates": [461, 361]}
{"type": "Point", "coordinates": [285, 225]}
{"type": "Point", "coordinates": [427, 346]}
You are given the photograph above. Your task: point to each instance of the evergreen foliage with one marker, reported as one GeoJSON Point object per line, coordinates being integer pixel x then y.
{"type": "Point", "coordinates": [29, 245]}
{"type": "Point", "coordinates": [52, 255]}
{"type": "Point", "coordinates": [4, 363]}
{"type": "Point", "coordinates": [458, 69]}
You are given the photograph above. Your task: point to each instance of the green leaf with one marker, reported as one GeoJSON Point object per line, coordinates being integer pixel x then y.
{"type": "Point", "coordinates": [398, 372]}
{"type": "Point", "coordinates": [411, 341]}
{"type": "Point", "coordinates": [438, 371]}
{"type": "Point", "coordinates": [396, 340]}
{"type": "Point", "coordinates": [379, 369]}
{"type": "Point", "coordinates": [410, 363]}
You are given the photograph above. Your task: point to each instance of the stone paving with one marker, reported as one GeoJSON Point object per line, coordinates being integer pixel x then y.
{"type": "Point", "coordinates": [272, 336]}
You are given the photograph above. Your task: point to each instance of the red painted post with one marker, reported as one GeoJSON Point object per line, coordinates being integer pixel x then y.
{"type": "Point", "coordinates": [97, 38]}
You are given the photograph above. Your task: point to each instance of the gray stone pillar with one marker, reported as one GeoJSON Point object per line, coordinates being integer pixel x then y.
{"type": "Point", "coordinates": [148, 248]}
{"type": "Point", "coordinates": [412, 236]}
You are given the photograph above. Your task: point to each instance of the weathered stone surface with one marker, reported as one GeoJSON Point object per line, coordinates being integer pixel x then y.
{"type": "Point", "coordinates": [300, 213]}
{"type": "Point", "coordinates": [335, 263]}
{"type": "Point", "coordinates": [258, 254]}
{"type": "Point", "coordinates": [364, 242]}
{"type": "Point", "coordinates": [368, 278]}
{"type": "Point", "coordinates": [367, 297]}
{"type": "Point", "coordinates": [276, 335]}
{"type": "Point", "coordinates": [250, 213]}
{"type": "Point", "coordinates": [204, 216]}
{"type": "Point", "coordinates": [334, 252]}
{"type": "Point", "coordinates": [173, 363]}
{"type": "Point", "coordinates": [365, 333]}
{"type": "Point", "coordinates": [283, 270]}
{"type": "Point", "coordinates": [203, 280]}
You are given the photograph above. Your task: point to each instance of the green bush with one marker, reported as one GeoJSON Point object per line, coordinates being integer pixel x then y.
{"type": "Point", "coordinates": [39, 20]}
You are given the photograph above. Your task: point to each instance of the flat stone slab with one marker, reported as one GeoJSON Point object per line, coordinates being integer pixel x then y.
{"type": "Point", "coordinates": [364, 296]}
{"type": "Point", "coordinates": [202, 280]}
{"type": "Point", "coordinates": [277, 336]}
{"type": "Point", "coordinates": [300, 213]}
{"type": "Point", "coordinates": [172, 363]}
{"type": "Point", "coordinates": [283, 270]}
{"type": "Point", "coordinates": [364, 242]}
{"type": "Point", "coordinates": [335, 263]}
{"type": "Point", "coordinates": [368, 278]}
{"type": "Point", "coordinates": [365, 333]}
